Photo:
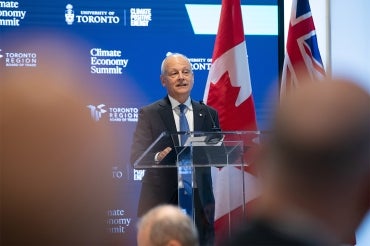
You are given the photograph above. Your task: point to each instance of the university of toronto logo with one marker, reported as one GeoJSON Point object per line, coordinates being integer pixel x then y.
{"type": "Point", "coordinates": [69, 14]}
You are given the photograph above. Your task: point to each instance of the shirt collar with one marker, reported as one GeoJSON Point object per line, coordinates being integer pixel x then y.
{"type": "Point", "coordinates": [175, 103]}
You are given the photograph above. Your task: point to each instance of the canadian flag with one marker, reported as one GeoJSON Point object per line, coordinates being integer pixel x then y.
{"type": "Point", "coordinates": [229, 91]}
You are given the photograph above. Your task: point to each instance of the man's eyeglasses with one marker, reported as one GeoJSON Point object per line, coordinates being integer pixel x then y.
{"type": "Point", "coordinates": [175, 74]}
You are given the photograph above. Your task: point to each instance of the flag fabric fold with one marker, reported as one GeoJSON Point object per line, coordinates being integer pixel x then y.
{"type": "Point", "coordinates": [302, 58]}
{"type": "Point", "coordinates": [228, 87]}
{"type": "Point", "coordinates": [229, 91]}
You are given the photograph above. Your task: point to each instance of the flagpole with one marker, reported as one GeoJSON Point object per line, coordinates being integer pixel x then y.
{"type": "Point", "coordinates": [328, 38]}
{"type": "Point", "coordinates": [281, 39]}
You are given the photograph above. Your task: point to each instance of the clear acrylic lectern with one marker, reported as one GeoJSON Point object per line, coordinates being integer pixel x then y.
{"type": "Point", "coordinates": [225, 153]}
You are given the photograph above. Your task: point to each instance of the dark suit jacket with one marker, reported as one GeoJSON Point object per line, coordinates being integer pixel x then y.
{"type": "Point", "coordinates": [159, 185]}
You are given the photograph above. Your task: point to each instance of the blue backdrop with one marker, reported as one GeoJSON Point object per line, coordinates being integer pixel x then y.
{"type": "Point", "coordinates": [118, 47]}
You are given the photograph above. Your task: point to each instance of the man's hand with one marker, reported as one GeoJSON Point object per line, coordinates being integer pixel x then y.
{"type": "Point", "coordinates": [161, 155]}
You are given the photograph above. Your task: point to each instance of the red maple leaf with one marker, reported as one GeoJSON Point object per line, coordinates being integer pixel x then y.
{"type": "Point", "coordinates": [222, 96]}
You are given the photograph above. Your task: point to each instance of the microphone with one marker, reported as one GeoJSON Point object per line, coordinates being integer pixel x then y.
{"type": "Point", "coordinates": [215, 137]}
{"type": "Point", "coordinates": [214, 127]}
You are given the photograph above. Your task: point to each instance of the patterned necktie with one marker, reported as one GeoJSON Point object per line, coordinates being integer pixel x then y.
{"type": "Point", "coordinates": [185, 171]}
{"type": "Point", "coordinates": [184, 126]}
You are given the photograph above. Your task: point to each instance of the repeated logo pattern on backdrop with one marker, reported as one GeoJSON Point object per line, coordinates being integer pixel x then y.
{"type": "Point", "coordinates": [118, 48]}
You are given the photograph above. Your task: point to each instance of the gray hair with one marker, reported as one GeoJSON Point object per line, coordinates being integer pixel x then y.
{"type": "Point", "coordinates": [168, 222]}
{"type": "Point", "coordinates": [170, 54]}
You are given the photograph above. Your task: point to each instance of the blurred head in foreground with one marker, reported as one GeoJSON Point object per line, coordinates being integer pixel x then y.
{"type": "Point", "coordinates": [315, 171]}
{"type": "Point", "coordinates": [319, 159]}
{"type": "Point", "coordinates": [166, 225]}
{"type": "Point", "coordinates": [55, 178]}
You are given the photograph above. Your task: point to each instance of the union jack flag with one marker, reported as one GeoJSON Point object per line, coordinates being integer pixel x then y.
{"type": "Point", "coordinates": [302, 57]}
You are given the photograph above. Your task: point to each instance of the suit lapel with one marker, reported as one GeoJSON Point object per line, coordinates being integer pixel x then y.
{"type": "Point", "coordinates": [199, 116]}
{"type": "Point", "coordinates": [165, 111]}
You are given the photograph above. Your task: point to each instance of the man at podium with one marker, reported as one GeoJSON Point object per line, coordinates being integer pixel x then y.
{"type": "Point", "coordinates": [174, 113]}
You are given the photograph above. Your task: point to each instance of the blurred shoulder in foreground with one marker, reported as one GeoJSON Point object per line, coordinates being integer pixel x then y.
{"type": "Point", "coordinates": [315, 170]}
{"type": "Point", "coordinates": [55, 180]}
